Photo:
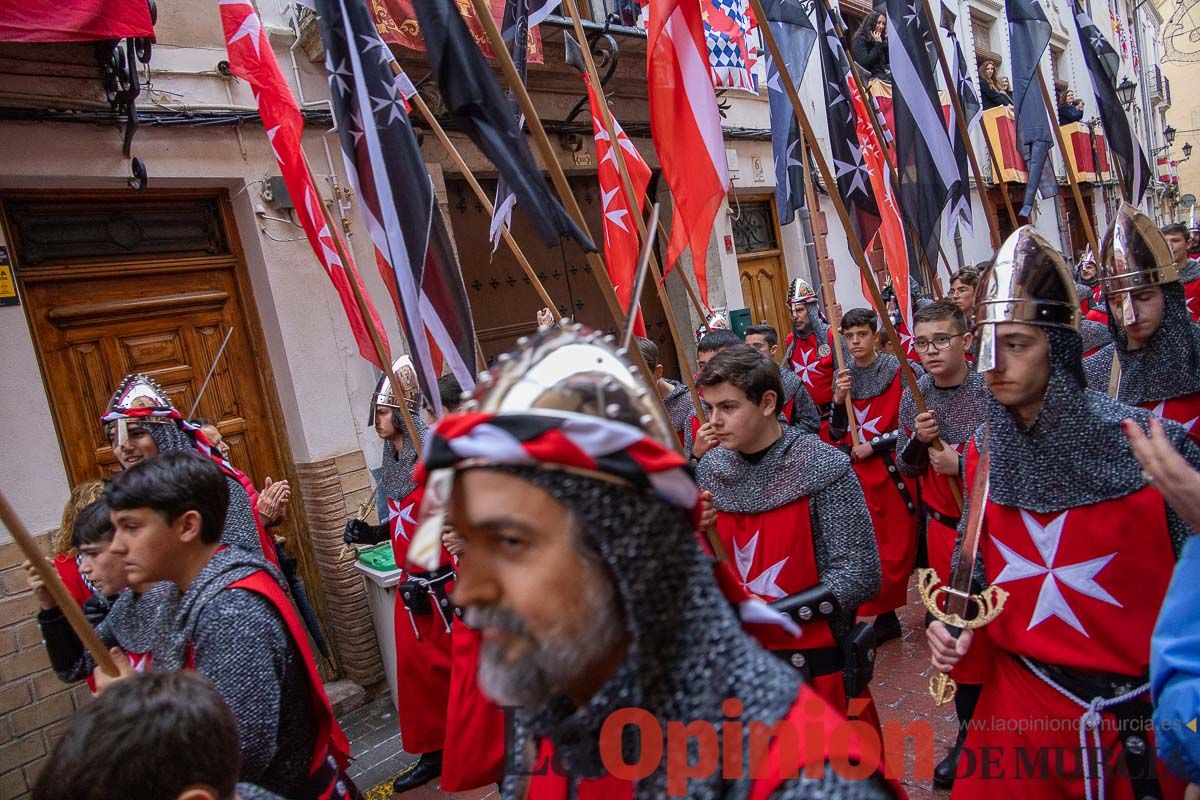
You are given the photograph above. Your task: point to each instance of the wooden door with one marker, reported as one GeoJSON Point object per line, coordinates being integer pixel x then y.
{"type": "Point", "coordinates": [761, 266]}
{"type": "Point", "coordinates": [114, 283]}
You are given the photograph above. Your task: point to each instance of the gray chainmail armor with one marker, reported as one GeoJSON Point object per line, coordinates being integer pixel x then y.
{"type": "Point", "coordinates": [873, 380]}
{"type": "Point", "coordinates": [688, 652]}
{"type": "Point", "coordinates": [1190, 271]}
{"type": "Point", "coordinates": [136, 623]}
{"type": "Point", "coordinates": [243, 646]}
{"type": "Point", "coordinates": [801, 465]}
{"type": "Point", "coordinates": [679, 404]}
{"type": "Point", "coordinates": [819, 328]}
{"type": "Point", "coordinates": [1095, 335]}
{"type": "Point", "coordinates": [241, 523]}
{"type": "Point", "coordinates": [396, 476]}
{"type": "Point", "coordinates": [1168, 366]}
{"type": "Point", "coordinates": [804, 411]}
{"type": "Point", "coordinates": [959, 411]}
{"type": "Point", "coordinates": [1076, 454]}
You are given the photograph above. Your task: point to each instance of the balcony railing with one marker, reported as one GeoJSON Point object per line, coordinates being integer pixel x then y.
{"type": "Point", "coordinates": [620, 16]}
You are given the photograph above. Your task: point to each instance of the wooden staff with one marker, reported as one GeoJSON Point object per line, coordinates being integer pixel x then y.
{"type": "Point", "coordinates": [54, 585]}
{"type": "Point", "coordinates": [961, 122]}
{"type": "Point", "coordinates": [381, 350]}
{"type": "Point", "coordinates": [635, 204]}
{"type": "Point", "coordinates": [1072, 178]}
{"type": "Point", "coordinates": [856, 248]}
{"type": "Point", "coordinates": [825, 279]}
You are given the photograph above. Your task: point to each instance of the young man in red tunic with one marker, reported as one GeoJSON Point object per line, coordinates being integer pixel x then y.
{"type": "Point", "coordinates": [874, 385]}
{"type": "Point", "coordinates": [791, 514]}
{"type": "Point", "coordinates": [954, 399]}
{"type": "Point", "coordinates": [1177, 237]}
{"type": "Point", "coordinates": [808, 349]}
{"type": "Point", "coordinates": [233, 624]}
{"type": "Point", "coordinates": [1082, 545]}
{"type": "Point", "coordinates": [1157, 347]}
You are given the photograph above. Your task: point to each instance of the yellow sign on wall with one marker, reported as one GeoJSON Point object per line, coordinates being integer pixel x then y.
{"type": "Point", "coordinates": [8, 283]}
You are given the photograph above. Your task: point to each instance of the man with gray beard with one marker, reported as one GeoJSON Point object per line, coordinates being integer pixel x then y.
{"type": "Point", "coordinates": [595, 599]}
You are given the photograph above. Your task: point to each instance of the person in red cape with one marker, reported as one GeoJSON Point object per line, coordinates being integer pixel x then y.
{"type": "Point", "coordinates": [422, 615]}
{"type": "Point", "coordinates": [808, 349]}
{"type": "Point", "coordinates": [598, 609]}
{"type": "Point", "coordinates": [874, 384]}
{"type": "Point", "coordinates": [233, 624]}
{"type": "Point", "coordinates": [792, 515]}
{"type": "Point", "coordinates": [1083, 546]}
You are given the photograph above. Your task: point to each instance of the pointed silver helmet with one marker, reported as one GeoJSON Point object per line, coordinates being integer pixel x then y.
{"type": "Point", "coordinates": [1028, 282]}
{"type": "Point", "coordinates": [799, 291]}
{"type": "Point", "coordinates": [1133, 256]}
{"type": "Point", "coordinates": [406, 373]}
{"type": "Point", "coordinates": [137, 390]}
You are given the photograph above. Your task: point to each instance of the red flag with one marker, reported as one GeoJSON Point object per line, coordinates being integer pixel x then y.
{"type": "Point", "coordinates": [891, 229]}
{"type": "Point", "coordinates": [252, 59]}
{"type": "Point", "coordinates": [686, 127]}
{"type": "Point", "coordinates": [621, 246]}
{"type": "Point", "coordinates": [77, 21]}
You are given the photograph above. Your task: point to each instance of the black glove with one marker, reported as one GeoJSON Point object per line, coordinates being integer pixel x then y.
{"type": "Point", "coordinates": [95, 610]}
{"type": "Point", "coordinates": [359, 532]}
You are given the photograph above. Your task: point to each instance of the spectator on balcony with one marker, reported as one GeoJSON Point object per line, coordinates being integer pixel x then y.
{"type": "Point", "coordinates": [1070, 108]}
{"type": "Point", "coordinates": [994, 94]}
{"type": "Point", "coordinates": [870, 47]}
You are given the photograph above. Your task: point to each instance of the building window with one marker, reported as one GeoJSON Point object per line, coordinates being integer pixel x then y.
{"type": "Point", "coordinates": [754, 227]}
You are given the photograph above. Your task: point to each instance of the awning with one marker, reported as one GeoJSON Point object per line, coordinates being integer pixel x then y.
{"type": "Point", "coordinates": [1079, 145]}
{"type": "Point", "coordinates": [74, 21]}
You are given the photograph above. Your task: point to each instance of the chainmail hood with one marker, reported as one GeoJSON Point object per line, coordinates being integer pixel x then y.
{"type": "Point", "coordinates": [873, 380]}
{"type": "Point", "coordinates": [679, 404]}
{"type": "Point", "coordinates": [1095, 335]}
{"type": "Point", "coordinates": [396, 478]}
{"type": "Point", "coordinates": [798, 465]}
{"type": "Point", "coordinates": [688, 651]}
{"type": "Point", "coordinates": [959, 409]}
{"type": "Point", "coordinates": [1190, 271]}
{"type": "Point", "coordinates": [1076, 453]}
{"type": "Point", "coordinates": [1167, 367]}
{"type": "Point", "coordinates": [140, 623]}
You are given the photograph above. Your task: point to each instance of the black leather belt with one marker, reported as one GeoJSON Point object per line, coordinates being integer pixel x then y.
{"type": "Point", "coordinates": [815, 662]}
{"type": "Point", "coordinates": [949, 522]}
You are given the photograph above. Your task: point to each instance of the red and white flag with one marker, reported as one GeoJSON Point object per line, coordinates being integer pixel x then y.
{"type": "Point", "coordinates": [891, 229]}
{"type": "Point", "coordinates": [252, 59]}
{"type": "Point", "coordinates": [621, 246]}
{"type": "Point", "coordinates": [686, 127]}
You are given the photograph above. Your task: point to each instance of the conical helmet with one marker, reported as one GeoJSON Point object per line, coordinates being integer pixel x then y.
{"type": "Point", "coordinates": [1027, 282]}
{"type": "Point", "coordinates": [800, 292]}
{"type": "Point", "coordinates": [136, 391]}
{"type": "Point", "coordinates": [406, 373]}
{"type": "Point", "coordinates": [566, 399]}
{"type": "Point", "coordinates": [715, 321]}
{"type": "Point", "coordinates": [1133, 255]}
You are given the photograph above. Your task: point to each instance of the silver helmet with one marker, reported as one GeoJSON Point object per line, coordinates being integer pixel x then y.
{"type": "Point", "coordinates": [566, 373]}
{"type": "Point", "coordinates": [406, 373]}
{"type": "Point", "coordinates": [1133, 256]}
{"type": "Point", "coordinates": [135, 391]}
{"type": "Point", "coordinates": [799, 291]}
{"type": "Point", "coordinates": [715, 321]}
{"type": "Point", "coordinates": [1029, 282]}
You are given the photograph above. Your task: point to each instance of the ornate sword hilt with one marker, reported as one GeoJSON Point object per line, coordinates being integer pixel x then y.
{"type": "Point", "coordinates": [987, 604]}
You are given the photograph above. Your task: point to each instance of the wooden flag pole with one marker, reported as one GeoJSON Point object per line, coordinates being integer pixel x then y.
{"type": "Point", "coordinates": [856, 248]}
{"type": "Point", "coordinates": [960, 121]}
{"type": "Point", "coordinates": [549, 158]}
{"type": "Point", "coordinates": [1072, 178]}
{"type": "Point", "coordinates": [634, 204]}
{"type": "Point", "coordinates": [381, 350]}
{"type": "Point", "coordinates": [53, 583]}
{"type": "Point", "coordinates": [461, 163]}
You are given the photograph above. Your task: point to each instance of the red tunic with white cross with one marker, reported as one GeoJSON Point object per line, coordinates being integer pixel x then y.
{"type": "Point", "coordinates": [1084, 589]}
{"type": "Point", "coordinates": [814, 369]}
{"type": "Point", "coordinates": [1191, 294]}
{"type": "Point", "coordinates": [422, 648]}
{"type": "Point", "coordinates": [1185, 410]}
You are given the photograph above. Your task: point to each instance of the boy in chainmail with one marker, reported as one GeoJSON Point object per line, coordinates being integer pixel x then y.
{"type": "Point", "coordinates": [1080, 542]}
{"type": "Point", "coordinates": [797, 407]}
{"type": "Point", "coordinates": [874, 385]}
{"type": "Point", "coordinates": [1177, 237]}
{"type": "Point", "coordinates": [582, 569]}
{"type": "Point", "coordinates": [1157, 346]}
{"type": "Point", "coordinates": [233, 624]}
{"type": "Point", "coordinates": [808, 349]}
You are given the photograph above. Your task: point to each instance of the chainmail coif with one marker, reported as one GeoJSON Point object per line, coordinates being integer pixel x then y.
{"type": "Point", "coordinates": [688, 651]}
{"type": "Point", "coordinates": [1168, 366]}
{"type": "Point", "coordinates": [958, 410]}
{"type": "Point", "coordinates": [396, 478]}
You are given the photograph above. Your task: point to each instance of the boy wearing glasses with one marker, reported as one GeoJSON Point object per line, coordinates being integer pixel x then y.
{"type": "Point", "coordinates": [955, 397]}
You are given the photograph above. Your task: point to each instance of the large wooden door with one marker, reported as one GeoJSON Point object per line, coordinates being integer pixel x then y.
{"type": "Point", "coordinates": [115, 283]}
{"type": "Point", "coordinates": [761, 267]}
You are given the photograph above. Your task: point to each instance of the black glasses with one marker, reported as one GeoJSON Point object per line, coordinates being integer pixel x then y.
{"type": "Point", "coordinates": [937, 343]}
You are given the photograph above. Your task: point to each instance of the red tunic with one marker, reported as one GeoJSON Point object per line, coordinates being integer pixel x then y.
{"type": "Point", "coordinates": [814, 369]}
{"type": "Point", "coordinates": [422, 649]}
{"type": "Point", "coordinates": [1191, 293]}
{"type": "Point", "coordinates": [473, 754]}
{"type": "Point", "coordinates": [331, 749]}
{"type": "Point", "coordinates": [1185, 410]}
{"type": "Point", "coordinates": [1085, 585]}
{"type": "Point", "coordinates": [894, 521]}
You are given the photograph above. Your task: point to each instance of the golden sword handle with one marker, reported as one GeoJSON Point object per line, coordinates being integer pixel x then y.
{"type": "Point", "coordinates": [988, 605]}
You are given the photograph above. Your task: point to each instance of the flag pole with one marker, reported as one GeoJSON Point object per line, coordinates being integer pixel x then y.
{"type": "Point", "coordinates": [687, 285]}
{"type": "Point", "coordinates": [960, 121]}
{"type": "Point", "coordinates": [825, 280]}
{"type": "Point", "coordinates": [381, 350]}
{"type": "Point", "coordinates": [53, 583]}
{"type": "Point", "coordinates": [856, 248]}
{"type": "Point", "coordinates": [557, 176]}
{"type": "Point", "coordinates": [459, 162]}
{"type": "Point", "coordinates": [631, 197]}
{"type": "Point", "coordinates": [1072, 178]}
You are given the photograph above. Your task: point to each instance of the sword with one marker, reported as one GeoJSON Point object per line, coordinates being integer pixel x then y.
{"type": "Point", "coordinates": [211, 370]}
{"type": "Point", "coordinates": [287, 565]}
{"type": "Point", "coordinates": [639, 280]}
{"type": "Point", "coordinates": [958, 598]}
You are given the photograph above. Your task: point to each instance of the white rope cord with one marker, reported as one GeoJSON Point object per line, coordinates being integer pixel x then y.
{"type": "Point", "coordinates": [1089, 721]}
